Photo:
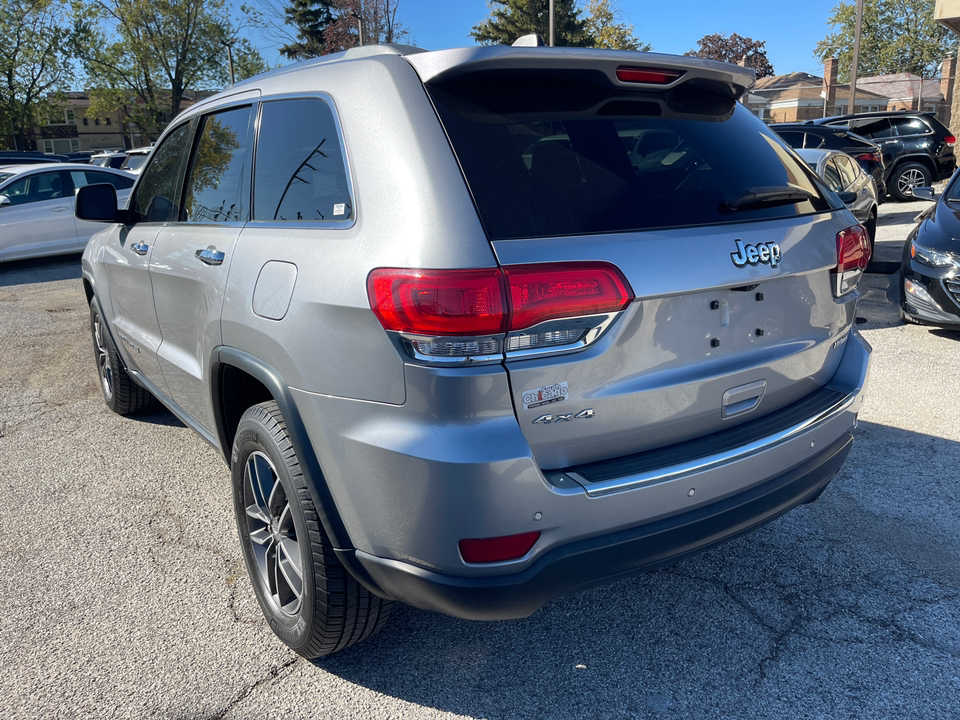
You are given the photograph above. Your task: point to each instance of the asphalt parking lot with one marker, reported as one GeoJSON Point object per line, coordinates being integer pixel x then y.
{"type": "Point", "coordinates": [125, 594]}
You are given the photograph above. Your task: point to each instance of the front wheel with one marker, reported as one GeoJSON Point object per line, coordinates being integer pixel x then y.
{"type": "Point", "coordinates": [907, 177]}
{"type": "Point", "coordinates": [309, 599]}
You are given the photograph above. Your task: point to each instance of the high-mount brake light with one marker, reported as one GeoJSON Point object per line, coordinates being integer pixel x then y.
{"type": "Point", "coordinates": [467, 315]}
{"type": "Point", "coordinates": [853, 255]}
{"type": "Point", "coordinates": [648, 76]}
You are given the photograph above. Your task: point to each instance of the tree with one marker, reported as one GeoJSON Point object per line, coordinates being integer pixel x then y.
{"type": "Point", "coordinates": [142, 56]}
{"type": "Point", "coordinates": [895, 36]}
{"type": "Point", "coordinates": [510, 19]}
{"type": "Point", "coordinates": [310, 18]}
{"type": "Point", "coordinates": [247, 60]}
{"type": "Point", "coordinates": [378, 18]}
{"type": "Point", "coordinates": [33, 62]}
{"type": "Point", "coordinates": [734, 49]}
{"type": "Point", "coordinates": [601, 23]}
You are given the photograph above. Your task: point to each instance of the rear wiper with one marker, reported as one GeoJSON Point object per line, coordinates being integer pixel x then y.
{"type": "Point", "coordinates": [767, 195]}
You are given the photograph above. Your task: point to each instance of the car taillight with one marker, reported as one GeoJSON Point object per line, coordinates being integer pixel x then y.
{"type": "Point", "coordinates": [950, 140]}
{"type": "Point", "coordinates": [452, 315]}
{"type": "Point", "coordinates": [497, 549]}
{"type": "Point", "coordinates": [853, 255]}
{"type": "Point", "coordinates": [874, 156]}
{"type": "Point", "coordinates": [649, 76]}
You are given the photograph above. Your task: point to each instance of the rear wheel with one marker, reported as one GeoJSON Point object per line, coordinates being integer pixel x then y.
{"type": "Point", "coordinates": [309, 599]}
{"type": "Point", "coordinates": [907, 177]}
{"type": "Point", "coordinates": [120, 392]}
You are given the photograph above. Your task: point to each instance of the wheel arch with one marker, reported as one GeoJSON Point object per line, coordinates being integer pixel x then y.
{"type": "Point", "coordinates": [921, 158]}
{"type": "Point", "coordinates": [240, 380]}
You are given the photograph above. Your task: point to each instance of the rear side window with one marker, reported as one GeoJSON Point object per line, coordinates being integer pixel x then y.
{"type": "Point", "coordinates": [557, 156]}
{"type": "Point", "coordinates": [215, 182]}
{"type": "Point", "coordinates": [873, 129]}
{"type": "Point", "coordinates": [813, 141]}
{"type": "Point", "coordinates": [909, 126]}
{"type": "Point", "coordinates": [299, 172]}
{"type": "Point", "coordinates": [791, 138]}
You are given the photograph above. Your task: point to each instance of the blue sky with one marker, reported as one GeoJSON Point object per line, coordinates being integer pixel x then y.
{"type": "Point", "coordinates": [791, 30]}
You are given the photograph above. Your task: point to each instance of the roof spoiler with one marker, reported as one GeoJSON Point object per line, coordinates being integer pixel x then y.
{"type": "Point", "coordinates": [732, 81]}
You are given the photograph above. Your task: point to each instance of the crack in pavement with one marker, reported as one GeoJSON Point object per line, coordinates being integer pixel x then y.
{"type": "Point", "coordinates": [271, 675]}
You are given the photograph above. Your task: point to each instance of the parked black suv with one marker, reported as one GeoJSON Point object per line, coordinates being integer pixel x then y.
{"type": "Point", "coordinates": [917, 148]}
{"type": "Point", "coordinates": [839, 137]}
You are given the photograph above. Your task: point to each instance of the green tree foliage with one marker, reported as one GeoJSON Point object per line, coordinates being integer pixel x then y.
{"type": "Point", "coordinates": [378, 18]}
{"type": "Point", "coordinates": [142, 56]}
{"type": "Point", "coordinates": [33, 61]}
{"type": "Point", "coordinates": [733, 49]}
{"type": "Point", "coordinates": [247, 60]}
{"type": "Point", "coordinates": [609, 34]}
{"type": "Point", "coordinates": [895, 36]}
{"type": "Point", "coordinates": [310, 19]}
{"type": "Point", "coordinates": [511, 19]}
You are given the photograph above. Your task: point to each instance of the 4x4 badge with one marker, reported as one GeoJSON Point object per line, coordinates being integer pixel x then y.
{"type": "Point", "coordinates": [768, 253]}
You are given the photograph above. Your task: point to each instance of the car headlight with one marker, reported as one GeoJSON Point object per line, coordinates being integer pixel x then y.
{"type": "Point", "coordinates": [933, 258]}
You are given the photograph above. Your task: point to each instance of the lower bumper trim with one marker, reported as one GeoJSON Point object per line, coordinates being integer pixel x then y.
{"type": "Point", "coordinates": [594, 561]}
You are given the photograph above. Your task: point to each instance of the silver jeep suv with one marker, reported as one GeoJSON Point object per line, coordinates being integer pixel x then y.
{"type": "Point", "coordinates": [477, 328]}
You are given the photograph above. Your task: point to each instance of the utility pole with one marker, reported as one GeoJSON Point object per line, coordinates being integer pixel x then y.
{"type": "Point", "coordinates": [856, 59]}
{"type": "Point", "coordinates": [552, 22]}
{"type": "Point", "coordinates": [359, 26]}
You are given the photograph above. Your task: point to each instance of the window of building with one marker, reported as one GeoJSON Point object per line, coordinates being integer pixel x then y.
{"type": "Point", "coordinates": [86, 121]}
{"type": "Point", "coordinates": [60, 146]}
{"type": "Point", "coordinates": [96, 121]}
{"type": "Point", "coordinates": [64, 116]}
{"type": "Point", "coordinates": [300, 171]}
{"type": "Point", "coordinates": [215, 185]}
{"type": "Point", "coordinates": [107, 121]}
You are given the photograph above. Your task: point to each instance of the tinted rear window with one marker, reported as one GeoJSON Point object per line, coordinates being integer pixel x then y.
{"type": "Point", "coordinates": [582, 159]}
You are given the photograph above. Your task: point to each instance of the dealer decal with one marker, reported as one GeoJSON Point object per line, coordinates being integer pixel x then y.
{"type": "Point", "coordinates": [545, 395]}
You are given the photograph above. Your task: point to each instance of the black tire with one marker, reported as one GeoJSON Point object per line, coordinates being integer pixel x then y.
{"type": "Point", "coordinates": [279, 530]}
{"type": "Point", "coordinates": [905, 178]}
{"type": "Point", "coordinates": [120, 392]}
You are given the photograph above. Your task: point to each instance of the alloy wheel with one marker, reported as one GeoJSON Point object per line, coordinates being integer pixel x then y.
{"type": "Point", "coordinates": [272, 532]}
{"type": "Point", "coordinates": [104, 366]}
{"type": "Point", "coordinates": [909, 180]}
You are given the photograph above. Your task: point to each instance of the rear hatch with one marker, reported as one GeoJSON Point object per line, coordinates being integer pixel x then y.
{"type": "Point", "coordinates": [649, 165]}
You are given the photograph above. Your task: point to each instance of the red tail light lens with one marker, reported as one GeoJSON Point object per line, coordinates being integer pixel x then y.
{"type": "Point", "coordinates": [853, 255]}
{"type": "Point", "coordinates": [649, 76]}
{"type": "Point", "coordinates": [875, 157]}
{"type": "Point", "coordinates": [950, 140]}
{"type": "Point", "coordinates": [545, 292]}
{"type": "Point", "coordinates": [438, 302]}
{"type": "Point", "coordinates": [497, 549]}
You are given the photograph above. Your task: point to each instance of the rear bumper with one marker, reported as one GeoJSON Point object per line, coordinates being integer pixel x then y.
{"type": "Point", "coordinates": [602, 559]}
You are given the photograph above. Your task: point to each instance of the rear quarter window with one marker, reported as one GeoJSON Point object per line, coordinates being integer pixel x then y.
{"type": "Point", "coordinates": [595, 160]}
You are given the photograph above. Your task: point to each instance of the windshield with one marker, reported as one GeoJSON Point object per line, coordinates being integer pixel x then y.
{"type": "Point", "coordinates": [544, 162]}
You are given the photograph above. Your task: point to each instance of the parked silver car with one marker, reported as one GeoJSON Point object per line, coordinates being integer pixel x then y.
{"type": "Point", "coordinates": [36, 207]}
{"type": "Point", "coordinates": [476, 328]}
{"type": "Point", "coordinates": [844, 176]}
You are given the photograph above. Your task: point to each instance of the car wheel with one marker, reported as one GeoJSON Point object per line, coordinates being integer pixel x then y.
{"type": "Point", "coordinates": [907, 177]}
{"type": "Point", "coordinates": [309, 599]}
{"type": "Point", "coordinates": [120, 392]}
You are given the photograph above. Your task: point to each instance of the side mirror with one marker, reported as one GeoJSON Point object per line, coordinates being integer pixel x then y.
{"type": "Point", "coordinates": [4, 200]}
{"type": "Point", "coordinates": [847, 197]}
{"type": "Point", "coordinates": [98, 203]}
{"type": "Point", "coordinates": [924, 193]}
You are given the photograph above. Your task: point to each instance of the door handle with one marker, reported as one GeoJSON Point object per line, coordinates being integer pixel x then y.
{"type": "Point", "coordinates": [58, 209]}
{"type": "Point", "coordinates": [210, 256]}
{"type": "Point", "coordinates": [140, 248]}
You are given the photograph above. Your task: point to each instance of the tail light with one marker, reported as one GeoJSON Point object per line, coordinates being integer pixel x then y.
{"type": "Point", "coordinates": [871, 156]}
{"type": "Point", "coordinates": [497, 549]}
{"type": "Point", "coordinates": [950, 140]}
{"type": "Point", "coordinates": [476, 315]}
{"type": "Point", "coordinates": [648, 76]}
{"type": "Point", "coordinates": [853, 255]}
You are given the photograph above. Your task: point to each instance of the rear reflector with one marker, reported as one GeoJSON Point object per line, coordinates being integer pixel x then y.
{"type": "Point", "coordinates": [853, 255]}
{"type": "Point", "coordinates": [649, 76]}
{"type": "Point", "coordinates": [497, 549]}
{"type": "Point", "coordinates": [545, 292]}
{"type": "Point", "coordinates": [438, 302]}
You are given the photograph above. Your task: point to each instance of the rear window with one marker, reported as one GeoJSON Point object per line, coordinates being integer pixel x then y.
{"type": "Point", "coordinates": [545, 158]}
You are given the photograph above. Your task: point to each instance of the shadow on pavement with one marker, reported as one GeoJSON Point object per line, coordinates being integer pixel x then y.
{"type": "Point", "coordinates": [818, 613]}
{"type": "Point", "coordinates": [22, 272]}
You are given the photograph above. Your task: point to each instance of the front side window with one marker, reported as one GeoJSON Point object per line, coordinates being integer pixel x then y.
{"type": "Point", "coordinates": [832, 176]}
{"type": "Point", "coordinates": [215, 183]}
{"type": "Point", "coordinates": [92, 177]}
{"type": "Point", "coordinates": [848, 170]}
{"type": "Point", "coordinates": [299, 172]}
{"type": "Point", "coordinates": [35, 188]}
{"type": "Point", "coordinates": [156, 198]}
